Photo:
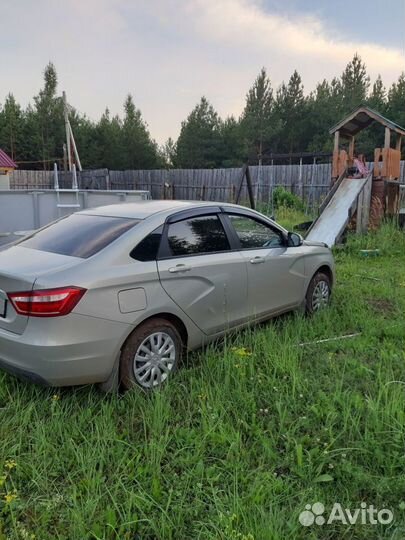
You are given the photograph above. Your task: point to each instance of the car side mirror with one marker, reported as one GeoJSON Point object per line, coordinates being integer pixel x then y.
{"type": "Point", "coordinates": [295, 240]}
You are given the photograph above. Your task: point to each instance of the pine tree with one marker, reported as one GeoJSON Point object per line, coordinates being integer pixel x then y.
{"type": "Point", "coordinates": [85, 133]}
{"type": "Point", "coordinates": [168, 152]}
{"type": "Point", "coordinates": [138, 150]}
{"type": "Point", "coordinates": [11, 125]}
{"type": "Point", "coordinates": [320, 117]}
{"type": "Point", "coordinates": [374, 135]}
{"type": "Point", "coordinates": [49, 110]}
{"type": "Point", "coordinates": [291, 109]}
{"type": "Point", "coordinates": [396, 101]}
{"type": "Point", "coordinates": [29, 148]}
{"type": "Point", "coordinates": [257, 118]}
{"type": "Point", "coordinates": [378, 96]}
{"type": "Point", "coordinates": [355, 84]}
{"type": "Point", "coordinates": [199, 144]}
{"type": "Point", "coordinates": [108, 135]}
{"type": "Point", "coordinates": [233, 149]}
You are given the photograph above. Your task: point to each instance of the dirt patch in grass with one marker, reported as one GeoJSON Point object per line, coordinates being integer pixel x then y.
{"type": "Point", "coordinates": [382, 306]}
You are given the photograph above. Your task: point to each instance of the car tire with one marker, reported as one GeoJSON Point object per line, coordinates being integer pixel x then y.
{"type": "Point", "coordinates": [318, 293]}
{"type": "Point", "coordinates": [150, 355]}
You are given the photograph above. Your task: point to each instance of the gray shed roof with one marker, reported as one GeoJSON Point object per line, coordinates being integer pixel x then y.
{"type": "Point", "coordinates": [361, 118]}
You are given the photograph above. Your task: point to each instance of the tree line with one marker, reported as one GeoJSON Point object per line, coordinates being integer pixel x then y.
{"type": "Point", "coordinates": [285, 120]}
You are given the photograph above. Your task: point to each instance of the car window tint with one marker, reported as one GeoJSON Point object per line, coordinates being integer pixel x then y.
{"type": "Point", "coordinates": [148, 248]}
{"type": "Point", "coordinates": [198, 235]}
{"type": "Point", "coordinates": [254, 234]}
{"type": "Point", "coordinates": [79, 235]}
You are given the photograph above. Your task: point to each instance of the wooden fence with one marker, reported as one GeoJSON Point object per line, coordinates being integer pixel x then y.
{"type": "Point", "coordinates": [310, 182]}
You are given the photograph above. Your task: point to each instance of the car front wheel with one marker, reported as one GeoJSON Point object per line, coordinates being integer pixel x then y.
{"type": "Point", "coordinates": [150, 355]}
{"type": "Point", "coordinates": [318, 294]}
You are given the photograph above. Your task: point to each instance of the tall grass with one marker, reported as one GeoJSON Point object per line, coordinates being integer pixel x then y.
{"type": "Point", "coordinates": [244, 436]}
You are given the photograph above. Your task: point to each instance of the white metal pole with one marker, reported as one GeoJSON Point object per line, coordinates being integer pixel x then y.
{"type": "Point", "coordinates": [67, 129]}
{"type": "Point", "coordinates": [55, 176]}
{"type": "Point", "coordinates": [74, 181]}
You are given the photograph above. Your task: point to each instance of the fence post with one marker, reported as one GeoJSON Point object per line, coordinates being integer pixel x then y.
{"type": "Point", "coordinates": [246, 173]}
{"type": "Point", "coordinates": [242, 176]}
{"type": "Point", "coordinates": [250, 188]}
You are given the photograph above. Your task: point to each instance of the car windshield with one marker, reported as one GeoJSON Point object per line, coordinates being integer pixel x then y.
{"type": "Point", "coordinates": [79, 235]}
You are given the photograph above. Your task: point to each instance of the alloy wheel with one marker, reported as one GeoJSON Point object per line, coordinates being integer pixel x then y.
{"type": "Point", "coordinates": [320, 296]}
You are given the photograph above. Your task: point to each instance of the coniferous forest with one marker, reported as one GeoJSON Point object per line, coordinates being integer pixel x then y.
{"type": "Point", "coordinates": [274, 120]}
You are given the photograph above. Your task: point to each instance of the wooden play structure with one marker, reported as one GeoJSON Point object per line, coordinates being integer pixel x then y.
{"type": "Point", "coordinates": [360, 196]}
{"type": "Point", "coordinates": [7, 165]}
{"type": "Point", "coordinates": [386, 168]}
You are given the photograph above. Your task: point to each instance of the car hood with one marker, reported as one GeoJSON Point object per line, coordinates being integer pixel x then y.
{"type": "Point", "coordinates": [315, 244]}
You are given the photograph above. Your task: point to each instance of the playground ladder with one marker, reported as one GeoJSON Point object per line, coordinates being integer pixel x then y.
{"type": "Point", "coordinates": [74, 189]}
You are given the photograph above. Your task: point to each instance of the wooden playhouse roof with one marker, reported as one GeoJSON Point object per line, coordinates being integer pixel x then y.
{"type": "Point", "coordinates": [361, 118]}
{"type": "Point", "coordinates": [6, 162]}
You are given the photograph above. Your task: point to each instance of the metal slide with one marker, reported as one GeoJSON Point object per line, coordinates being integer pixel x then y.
{"type": "Point", "coordinates": [333, 220]}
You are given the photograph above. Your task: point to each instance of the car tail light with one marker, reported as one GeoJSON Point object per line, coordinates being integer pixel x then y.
{"type": "Point", "coordinates": [47, 302]}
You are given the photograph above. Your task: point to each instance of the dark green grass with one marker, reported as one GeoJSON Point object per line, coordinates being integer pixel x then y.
{"type": "Point", "coordinates": [246, 435]}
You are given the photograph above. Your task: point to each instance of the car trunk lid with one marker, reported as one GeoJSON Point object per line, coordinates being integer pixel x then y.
{"type": "Point", "coordinates": [19, 269]}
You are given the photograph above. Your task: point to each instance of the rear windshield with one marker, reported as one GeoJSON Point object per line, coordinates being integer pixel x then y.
{"type": "Point", "coordinates": [79, 235]}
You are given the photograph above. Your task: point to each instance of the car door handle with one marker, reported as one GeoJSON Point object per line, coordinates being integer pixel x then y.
{"type": "Point", "coordinates": [179, 268]}
{"type": "Point", "coordinates": [257, 260]}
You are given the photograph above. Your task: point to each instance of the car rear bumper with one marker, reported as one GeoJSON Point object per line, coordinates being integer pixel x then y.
{"type": "Point", "coordinates": [63, 351]}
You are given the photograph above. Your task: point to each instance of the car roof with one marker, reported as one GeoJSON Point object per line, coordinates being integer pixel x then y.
{"type": "Point", "coordinates": [144, 209]}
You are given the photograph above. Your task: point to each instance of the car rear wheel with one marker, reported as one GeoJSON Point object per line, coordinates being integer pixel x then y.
{"type": "Point", "coordinates": [150, 355]}
{"type": "Point", "coordinates": [318, 294]}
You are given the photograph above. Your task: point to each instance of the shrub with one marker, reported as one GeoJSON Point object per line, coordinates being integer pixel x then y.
{"type": "Point", "coordinates": [286, 199]}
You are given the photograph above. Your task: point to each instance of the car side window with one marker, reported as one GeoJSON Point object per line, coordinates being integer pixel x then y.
{"type": "Point", "coordinates": [148, 248]}
{"type": "Point", "coordinates": [197, 236]}
{"type": "Point", "coordinates": [255, 234]}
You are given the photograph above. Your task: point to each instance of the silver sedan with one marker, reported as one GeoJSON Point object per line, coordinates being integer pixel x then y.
{"type": "Point", "coordinates": [121, 292]}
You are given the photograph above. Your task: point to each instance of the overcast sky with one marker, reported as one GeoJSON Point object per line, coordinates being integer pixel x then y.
{"type": "Point", "coordinates": [168, 53]}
